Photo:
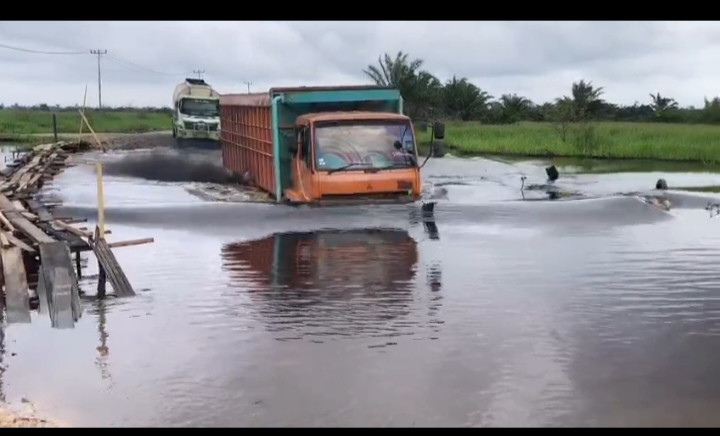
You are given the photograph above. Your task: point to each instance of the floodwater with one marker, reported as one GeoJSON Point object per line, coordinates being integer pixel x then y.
{"type": "Point", "coordinates": [595, 310]}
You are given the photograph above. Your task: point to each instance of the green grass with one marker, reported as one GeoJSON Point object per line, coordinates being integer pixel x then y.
{"type": "Point", "coordinates": [19, 124]}
{"type": "Point", "coordinates": [601, 140]}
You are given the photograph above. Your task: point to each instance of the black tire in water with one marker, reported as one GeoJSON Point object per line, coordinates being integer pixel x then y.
{"type": "Point", "coordinates": [438, 149]}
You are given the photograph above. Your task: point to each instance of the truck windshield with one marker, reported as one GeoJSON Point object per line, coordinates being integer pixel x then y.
{"type": "Point", "coordinates": [363, 145]}
{"type": "Point", "coordinates": [200, 108]}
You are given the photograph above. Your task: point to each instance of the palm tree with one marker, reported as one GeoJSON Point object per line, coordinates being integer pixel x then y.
{"type": "Point", "coordinates": [661, 104]}
{"type": "Point", "coordinates": [394, 72]}
{"type": "Point", "coordinates": [514, 107]}
{"type": "Point", "coordinates": [420, 90]}
{"type": "Point", "coordinates": [586, 98]}
{"type": "Point", "coordinates": [464, 100]}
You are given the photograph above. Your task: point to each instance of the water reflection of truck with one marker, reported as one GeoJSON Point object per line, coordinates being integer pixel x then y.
{"type": "Point", "coordinates": [196, 113]}
{"type": "Point", "coordinates": [322, 145]}
{"type": "Point", "coordinates": [334, 282]}
{"type": "Point", "coordinates": [378, 261]}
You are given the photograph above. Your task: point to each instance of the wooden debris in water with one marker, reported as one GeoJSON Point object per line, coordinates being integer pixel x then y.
{"type": "Point", "coordinates": [34, 243]}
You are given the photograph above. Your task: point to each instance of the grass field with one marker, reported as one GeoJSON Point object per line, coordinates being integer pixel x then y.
{"type": "Point", "coordinates": [602, 140]}
{"type": "Point", "coordinates": [605, 140]}
{"type": "Point", "coordinates": [19, 124]}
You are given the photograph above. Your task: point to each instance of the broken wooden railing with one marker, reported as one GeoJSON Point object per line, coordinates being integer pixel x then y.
{"type": "Point", "coordinates": [37, 247]}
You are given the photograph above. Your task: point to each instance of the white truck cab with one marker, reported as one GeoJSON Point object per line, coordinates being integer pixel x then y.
{"type": "Point", "coordinates": [196, 111]}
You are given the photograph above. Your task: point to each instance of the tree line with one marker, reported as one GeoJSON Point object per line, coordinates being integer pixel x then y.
{"type": "Point", "coordinates": [427, 98]}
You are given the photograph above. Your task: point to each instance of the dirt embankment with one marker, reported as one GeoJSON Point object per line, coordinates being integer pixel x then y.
{"type": "Point", "coordinates": [9, 419]}
{"type": "Point", "coordinates": [129, 141]}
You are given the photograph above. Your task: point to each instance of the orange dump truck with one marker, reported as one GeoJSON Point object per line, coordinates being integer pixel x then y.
{"type": "Point", "coordinates": [322, 145]}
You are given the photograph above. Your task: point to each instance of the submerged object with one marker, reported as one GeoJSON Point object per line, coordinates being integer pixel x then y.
{"type": "Point", "coordinates": [552, 173]}
{"type": "Point", "coordinates": [661, 184]}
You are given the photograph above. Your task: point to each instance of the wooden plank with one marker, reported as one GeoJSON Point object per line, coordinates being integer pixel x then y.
{"type": "Point", "coordinates": [68, 220]}
{"type": "Point", "coordinates": [61, 283]}
{"type": "Point", "coordinates": [131, 242]}
{"type": "Point", "coordinates": [61, 312]}
{"type": "Point", "coordinates": [22, 223]}
{"type": "Point", "coordinates": [75, 242]}
{"type": "Point", "coordinates": [24, 180]}
{"type": "Point", "coordinates": [19, 173]}
{"type": "Point", "coordinates": [41, 289]}
{"type": "Point", "coordinates": [32, 182]}
{"type": "Point", "coordinates": [30, 216]}
{"type": "Point", "coordinates": [25, 168]}
{"type": "Point", "coordinates": [114, 273]}
{"type": "Point", "coordinates": [87, 123]}
{"type": "Point", "coordinates": [17, 292]}
{"type": "Point", "coordinates": [70, 229]}
{"type": "Point", "coordinates": [8, 225]}
{"type": "Point", "coordinates": [2, 285]}
{"type": "Point", "coordinates": [17, 204]}
{"type": "Point", "coordinates": [17, 242]}
{"type": "Point", "coordinates": [40, 210]}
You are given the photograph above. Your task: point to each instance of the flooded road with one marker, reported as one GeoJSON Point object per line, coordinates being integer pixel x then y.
{"type": "Point", "coordinates": [599, 311]}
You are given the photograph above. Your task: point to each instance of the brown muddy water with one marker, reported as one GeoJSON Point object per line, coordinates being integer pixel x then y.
{"type": "Point", "coordinates": [598, 310]}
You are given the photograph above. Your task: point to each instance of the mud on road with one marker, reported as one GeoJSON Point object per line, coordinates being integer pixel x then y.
{"type": "Point", "coordinates": [13, 420]}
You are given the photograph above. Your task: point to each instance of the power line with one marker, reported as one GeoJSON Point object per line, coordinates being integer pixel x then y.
{"type": "Point", "coordinates": [117, 59]}
{"type": "Point", "coordinates": [99, 53]}
{"type": "Point", "coordinates": [27, 50]}
{"type": "Point", "coordinates": [137, 67]}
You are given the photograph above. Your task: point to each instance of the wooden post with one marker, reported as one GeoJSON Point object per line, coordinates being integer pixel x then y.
{"type": "Point", "coordinates": [82, 112]}
{"type": "Point", "coordinates": [102, 277]}
{"type": "Point", "coordinates": [100, 202]}
{"type": "Point", "coordinates": [87, 123]}
{"type": "Point", "coordinates": [101, 281]}
{"type": "Point", "coordinates": [55, 127]}
{"type": "Point", "coordinates": [77, 264]}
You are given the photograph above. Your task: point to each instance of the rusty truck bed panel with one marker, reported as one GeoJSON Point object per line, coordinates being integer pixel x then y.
{"type": "Point", "coordinates": [247, 143]}
{"type": "Point", "coordinates": [256, 99]}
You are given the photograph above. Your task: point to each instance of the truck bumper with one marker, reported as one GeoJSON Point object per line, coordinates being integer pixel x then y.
{"type": "Point", "coordinates": [355, 200]}
{"type": "Point", "coordinates": [199, 134]}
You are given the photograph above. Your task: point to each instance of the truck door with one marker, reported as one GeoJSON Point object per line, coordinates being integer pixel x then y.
{"type": "Point", "coordinates": [302, 166]}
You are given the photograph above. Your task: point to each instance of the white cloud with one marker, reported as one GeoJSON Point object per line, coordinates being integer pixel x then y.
{"type": "Point", "coordinates": [539, 60]}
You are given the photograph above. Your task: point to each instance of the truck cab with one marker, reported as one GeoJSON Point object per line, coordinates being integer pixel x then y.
{"type": "Point", "coordinates": [196, 111]}
{"type": "Point", "coordinates": [353, 156]}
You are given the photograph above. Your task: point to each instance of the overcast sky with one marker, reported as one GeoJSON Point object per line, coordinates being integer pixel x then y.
{"type": "Point", "coordinates": [538, 60]}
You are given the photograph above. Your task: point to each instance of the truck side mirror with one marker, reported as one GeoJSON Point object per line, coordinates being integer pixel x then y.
{"type": "Point", "coordinates": [438, 130]}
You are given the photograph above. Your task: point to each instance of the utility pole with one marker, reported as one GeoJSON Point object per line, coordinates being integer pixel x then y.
{"type": "Point", "coordinates": [248, 86]}
{"type": "Point", "coordinates": [199, 73]}
{"type": "Point", "coordinates": [99, 53]}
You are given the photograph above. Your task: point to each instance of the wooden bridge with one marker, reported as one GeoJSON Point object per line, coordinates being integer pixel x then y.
{"type": "Point", "coordinates": [37, 247]}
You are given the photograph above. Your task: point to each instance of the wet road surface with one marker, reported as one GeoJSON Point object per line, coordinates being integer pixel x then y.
{"type": "Point", "coordinates": [591, 312]}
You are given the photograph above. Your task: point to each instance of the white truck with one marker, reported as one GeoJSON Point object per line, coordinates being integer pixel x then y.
{"type": "Point", "coordinates": [196, 111]}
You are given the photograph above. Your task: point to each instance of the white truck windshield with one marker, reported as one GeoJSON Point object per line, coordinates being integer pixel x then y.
{"type": "Point", "coordinates": [200, 108]}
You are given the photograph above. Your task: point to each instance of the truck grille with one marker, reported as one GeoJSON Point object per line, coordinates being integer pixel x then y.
{"type": "Point", "coordinates": [204, 127]}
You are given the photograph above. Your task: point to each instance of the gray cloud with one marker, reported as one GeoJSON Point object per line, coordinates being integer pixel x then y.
{"type": "Point", "coordinates": [539, 60]}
